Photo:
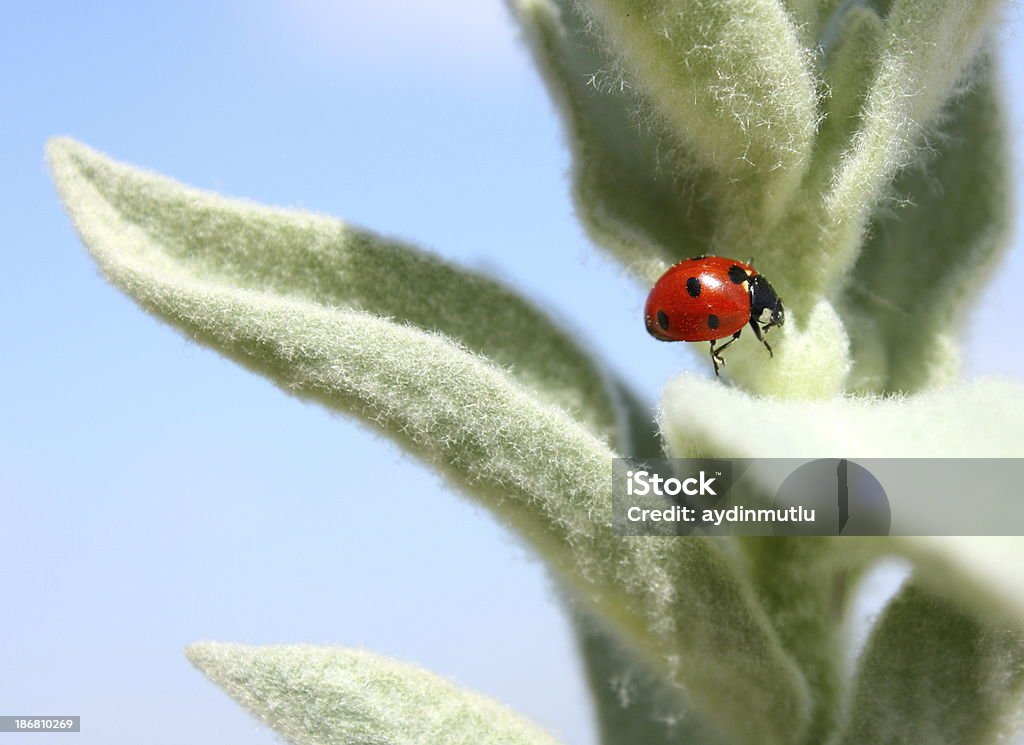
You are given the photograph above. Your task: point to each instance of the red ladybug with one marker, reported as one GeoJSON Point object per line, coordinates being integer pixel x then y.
{"type": "Point", "coordinates": [710, 298]}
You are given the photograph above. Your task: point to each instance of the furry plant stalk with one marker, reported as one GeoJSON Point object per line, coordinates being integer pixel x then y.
{"type": "Point", "coordinates": [853, 148]}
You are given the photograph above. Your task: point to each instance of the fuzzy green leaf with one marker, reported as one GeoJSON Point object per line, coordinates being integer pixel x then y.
{"type": "Point", "coordinates": [926, 257]}
{"type": "Point", "coordinates": [335, 265]}
{"type": "Point", "coordinates": [851, 65]}
{"type": "Point", "coordinates": [253, 297]}
{"type": "Point", "coordinates": [633, 703]}
{"type": "Point", "coordinates": [803, 584]}
{"type": "Point", "coordinates": [731, 80]}
{"type": "Point", "coordinates": [333, 696]}
{"type": "Point", "coordinates": [983, 571]}
{"type": "Point", "coordinates": [812, 19]}
{"type": "Point", "coordinates": [636, 191]}
{"type": "Point", "coordinates": [926, 49]}
{"type": "Point", "coordinates": [811, 358]}
{"type": "Point", "coordinates": [981, 419]}
{"type": "Point", "coordinates": [933, 674]}
{"type": "Point", "coordinates": [804, 244]}
{"type": "Point", "coordinates": [642, 437]}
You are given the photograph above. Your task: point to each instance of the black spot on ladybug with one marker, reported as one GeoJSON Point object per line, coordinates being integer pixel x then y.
{"type": "Point", "coordinates": [663, 320]}
{"type": "Point", "coordinates": [712, 321]}
{"type": "Point", "coordinates": [693, 286]}
{"type": "Point", "coordinates": [737, 275]}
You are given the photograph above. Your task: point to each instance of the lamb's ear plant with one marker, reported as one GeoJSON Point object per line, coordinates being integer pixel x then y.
{"type": "Point", "coordinates": [854, 149]}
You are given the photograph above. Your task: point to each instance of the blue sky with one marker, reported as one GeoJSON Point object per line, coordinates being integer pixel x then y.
{"type": "Point", "coordinates": [155, 494]}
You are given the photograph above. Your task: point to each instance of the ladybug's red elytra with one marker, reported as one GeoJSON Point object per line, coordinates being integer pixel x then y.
{"type": "Point", "coordinates": [709, 298]}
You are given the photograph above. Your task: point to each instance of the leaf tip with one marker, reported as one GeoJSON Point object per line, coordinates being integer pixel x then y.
{"type": "Point", "coordinates": [65, 157]}
{"type": "Point", "coordinates": [61, 152]}
{"type": "Point", "coordinates": [59, 146]}
{"type": "Point", "coordinates": [209, 657]}
{"type": "Point", "coordinates": [58, 156]}
{"type": "Point", "coordinates": [197, 652]}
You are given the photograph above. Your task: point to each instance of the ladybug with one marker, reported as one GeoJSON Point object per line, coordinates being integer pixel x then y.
{"type": "Point", "coordinates": [709, 298]}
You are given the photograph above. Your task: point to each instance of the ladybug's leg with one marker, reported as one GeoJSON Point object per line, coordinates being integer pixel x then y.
{"type": "Point", "coordinates": [716, 357]}
{"type": "Point", "coordinates": [759, 332]}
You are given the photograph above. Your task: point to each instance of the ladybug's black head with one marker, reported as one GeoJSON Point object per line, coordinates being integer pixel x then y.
{"type": "Point", "coordinates": [764, 298]}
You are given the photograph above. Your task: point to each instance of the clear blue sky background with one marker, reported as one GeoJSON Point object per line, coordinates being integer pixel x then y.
{"type": "Point", "coordinates": [154, 494]}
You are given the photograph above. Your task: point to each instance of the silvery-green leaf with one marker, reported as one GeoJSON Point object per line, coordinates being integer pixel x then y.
{"type": "Point", "coordinates": [929, 255]}
{"type": "Point", "coordinates": [255, 296]}
{"type": "Point", "coordinates": [811, 357]}
{"type": "Point", "coordinates": [850, 67]}
{"type": "Point", "coordinates": [803, 584]}
{"type": "Point", "coordinates": [801, 253]}
{"type": "Point", "coordinates": [636, 191]}
{"type": "Point", "coordinates": [333, 696]}
{"type": "Point", "coordinates": [642, 438]}
{"type": "Point", "coordinates": [982, 570]}
{"type": "Point", "coordinates": [332, 264]}
{"type": "Point", "coordinates": [812, 18]}
{"type": "Point", "coordinates": [795, 578]}
{"type": "Point", "coordinates": [980, 419]}
{"type": "Point", "coordinates": [633, 703]}
{"type": "Point", "coordinates": [730, 79]}
{"type": "Point", "coordinates": [926, 48]}
{"type": "Point", "coordinates": [983, 419]}
{"type": "Point", "coordinates": [932, 673]}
